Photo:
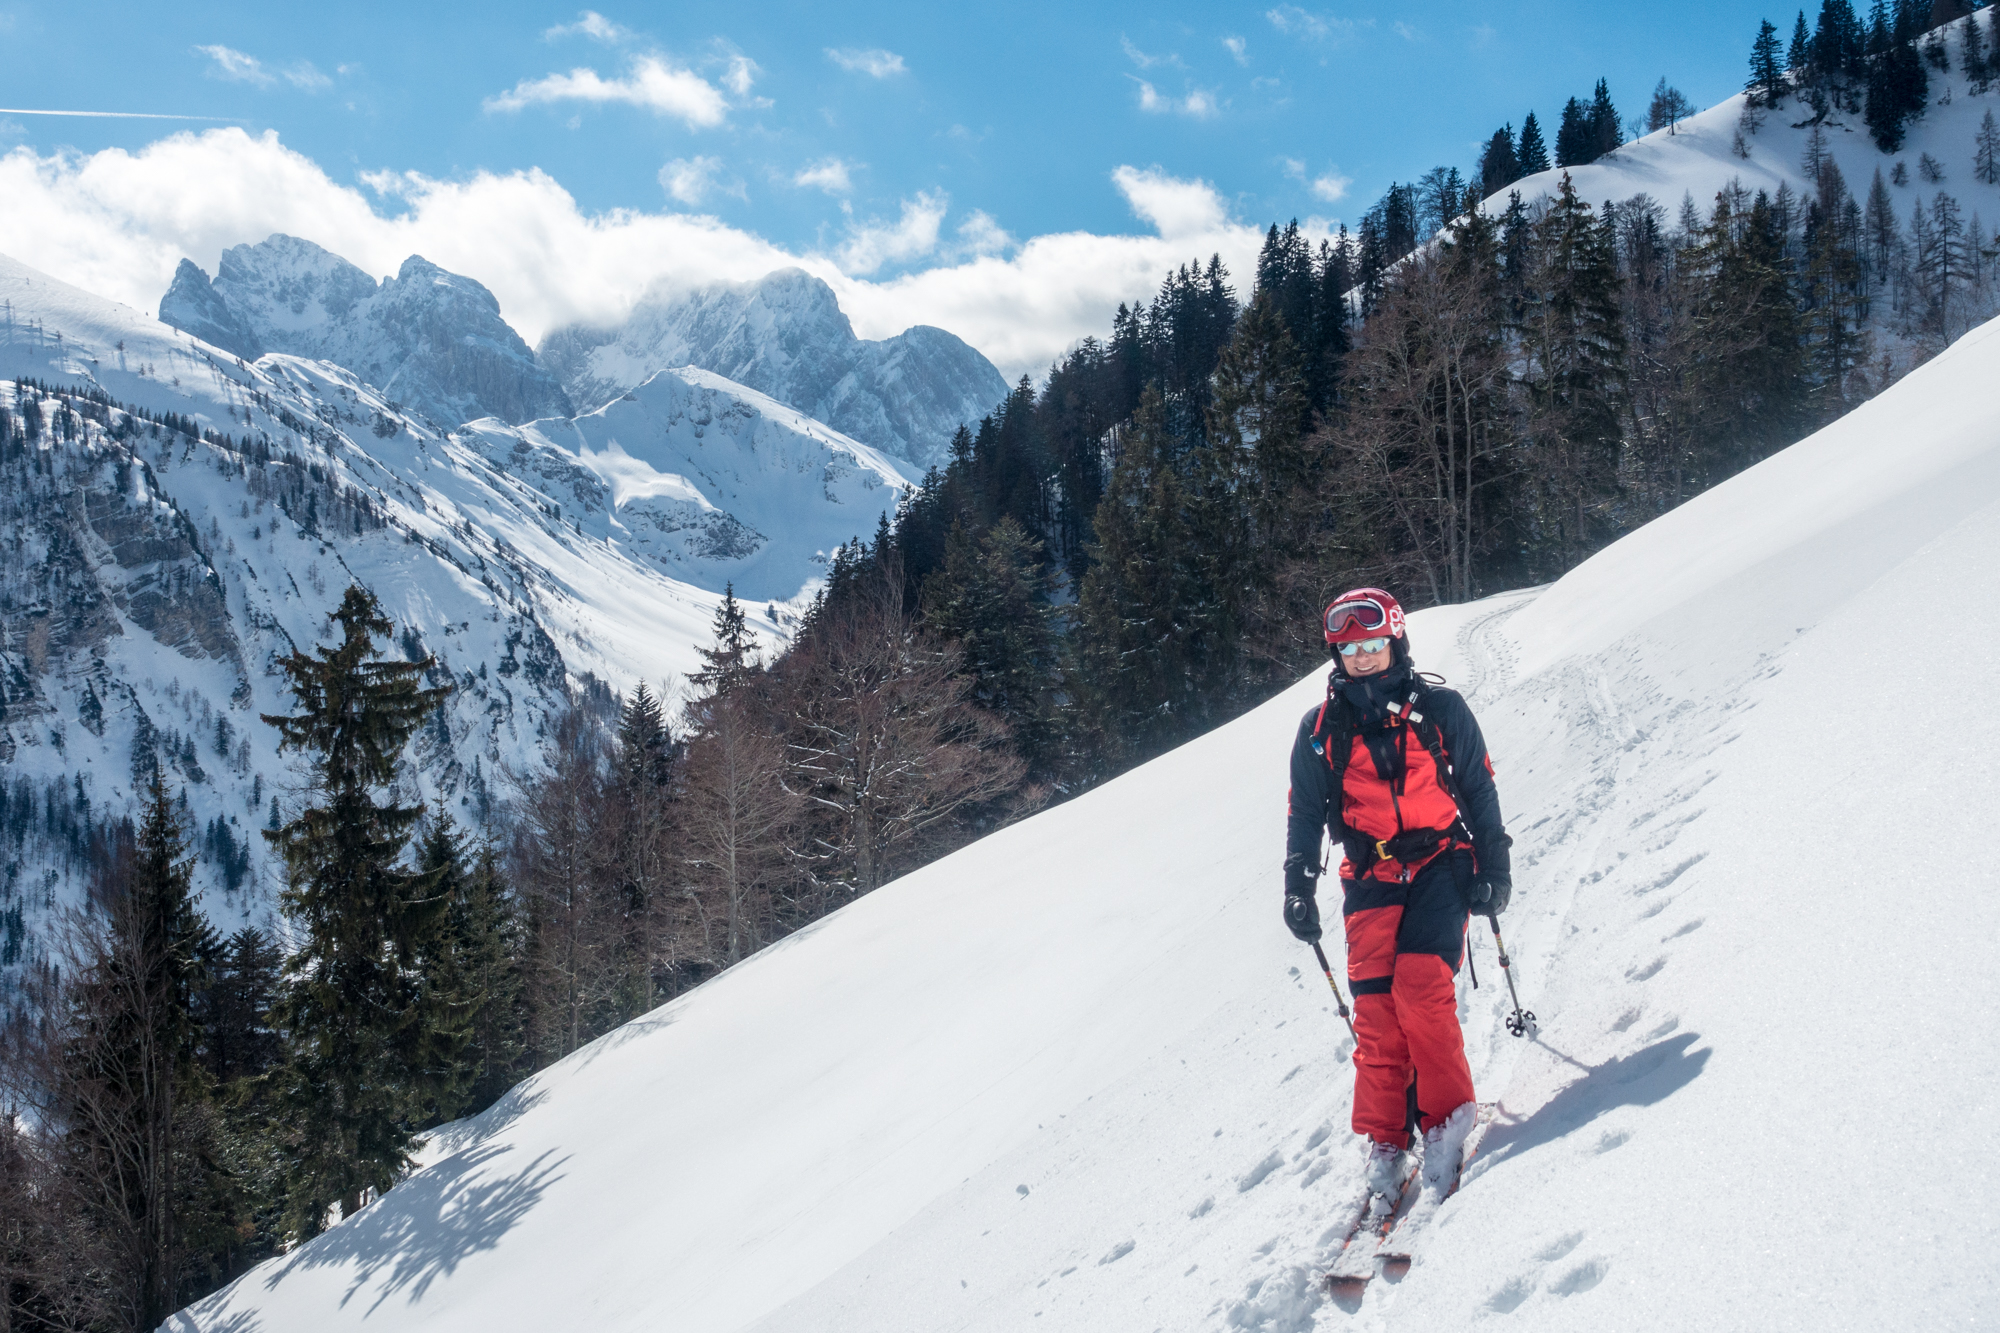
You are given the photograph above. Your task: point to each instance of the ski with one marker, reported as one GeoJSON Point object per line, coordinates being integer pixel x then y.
{"type": "Point", "coordinates": [1372, 1218]}
{"type": "Point", "coordinates": [1398, 1245]}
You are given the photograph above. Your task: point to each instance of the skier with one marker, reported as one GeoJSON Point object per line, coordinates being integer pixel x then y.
{"type": "Point", "coordinates": [1418, 820]}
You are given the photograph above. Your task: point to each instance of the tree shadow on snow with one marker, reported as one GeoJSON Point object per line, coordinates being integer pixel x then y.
{"type": "Point", "coordinates": [425, 1227]}
{"type": "Point", "coordinates": [1640, 1079]}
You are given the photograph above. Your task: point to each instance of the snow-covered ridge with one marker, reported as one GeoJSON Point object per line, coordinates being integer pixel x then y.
{"type": "Point", "coordinates": [785, 335]}
{"type": "Point", "coordinates": [704, 479]}
{"type": "Point", "coordinates": [430, 340]}
{"type": "Point", "coordinates": [1078, 1076]}
{"type": "Point", "coordinates": [155, 573]}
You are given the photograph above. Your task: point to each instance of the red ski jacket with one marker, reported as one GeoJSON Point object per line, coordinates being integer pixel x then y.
{"type": "Point", "coordinates": [1392, 788]}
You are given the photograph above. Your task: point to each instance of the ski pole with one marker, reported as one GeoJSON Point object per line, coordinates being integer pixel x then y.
{"type": "Point", "coordinates": [1468, 963]}
{"type": "Point", "coordinates": [1521, 1020]}
{"type": "Point", "coordinates": [1339, 1000]}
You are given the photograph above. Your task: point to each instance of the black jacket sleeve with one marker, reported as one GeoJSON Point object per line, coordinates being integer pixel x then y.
{"type": "Point", "coordinates": [1465, 746]}
{"type": "Point", "coordinates": [1309, 808]}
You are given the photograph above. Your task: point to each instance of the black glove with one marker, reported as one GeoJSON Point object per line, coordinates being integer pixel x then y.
{"type": "Point", "coordinates": [1302, 915]}
{"type": "Point", "coordinates": [1301, 908]}
{"type": "Point", "coordinates": [1489, 895]}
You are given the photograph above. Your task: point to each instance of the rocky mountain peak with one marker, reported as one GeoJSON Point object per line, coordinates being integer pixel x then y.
{"type": "Point", "coordinates": [433, 340]}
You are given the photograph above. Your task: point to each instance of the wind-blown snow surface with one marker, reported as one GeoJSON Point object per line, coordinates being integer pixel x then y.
{"type": "Point", "coordinates": [1078, 1076]}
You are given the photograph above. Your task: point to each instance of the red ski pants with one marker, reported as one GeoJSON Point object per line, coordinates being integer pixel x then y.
{"type": "Point", "coordinates": [1404, 942]}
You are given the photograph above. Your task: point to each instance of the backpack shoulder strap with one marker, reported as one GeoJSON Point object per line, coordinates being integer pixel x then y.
{"type": "Point", "coordinates": [1431, 736]}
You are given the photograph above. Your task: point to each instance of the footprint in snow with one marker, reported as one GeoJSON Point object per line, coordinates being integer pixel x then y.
{"type": "Point", "coordinates": [1559, 1247]}
{"type": "Point", "coordinates": [1581, 1278]}
{"type": "Point", "coordinates": [1125, 1247]}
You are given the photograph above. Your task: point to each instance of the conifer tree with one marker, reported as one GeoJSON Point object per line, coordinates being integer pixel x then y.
{"type": "Point", "coordinates": [1499, 167]}
{"type": "Point", "coordinates": [1974, 60]}
{"type": "Point", "coordinates": [1986, 149]}
{"type": "Point", "coordinates": [992, 598]}
{"type": "Point", "coordinates": [1533, 153]}
{"type": "Point", "coordinates": [126, 1073]}
{"type": "Point", "coordinates": [471, 975]}
{"type": "Point", "coordinates": [1767, 75]}
{"type": "Point", "coordinates": [361, 1038]}
{"type": "Point", "coordinates": [1574, 140]}
{"type": "Point", "coordinates": [1575, 341]}
{"type": "Point", "coordinates": [1606, 134]}
{"type": "Point", "coordinates": [1798, 58]}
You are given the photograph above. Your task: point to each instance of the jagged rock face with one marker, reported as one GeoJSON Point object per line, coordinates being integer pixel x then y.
{"type": "Point", "coordinates": [785, 336]}
{"type": "Point", "coordinates": [430, 339]}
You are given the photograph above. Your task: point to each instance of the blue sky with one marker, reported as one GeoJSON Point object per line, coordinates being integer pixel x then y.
{"type": "Point", "coordinates": [882, 136]}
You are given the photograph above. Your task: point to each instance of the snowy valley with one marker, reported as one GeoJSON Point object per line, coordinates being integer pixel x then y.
{"type": "Point", "coordinates": [158, 564]}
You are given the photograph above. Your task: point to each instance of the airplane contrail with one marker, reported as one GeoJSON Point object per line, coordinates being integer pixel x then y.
{"type": "Point", "coordinates": [122, 115]}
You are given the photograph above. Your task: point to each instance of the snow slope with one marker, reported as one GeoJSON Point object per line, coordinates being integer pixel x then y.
{"type": "Point", "coordinates": [1078, 1076]}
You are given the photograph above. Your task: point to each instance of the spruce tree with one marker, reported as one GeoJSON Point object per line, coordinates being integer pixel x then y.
{"type": "Point", "coordinates": [127, 1072]}
{"type": "Point", "coordinates": [1533, 153]}
{"type": "Point", "coordinates": [730, 653]}
{"type": "Point", "coordinates": [1574, 140]}
{"type": "Point", "coordinates": [1606, 134]}
{"type": "Point", "coordinates": [1767, 75]}
{"type": "Point", "coordinates": [361, 1039]}
{"type": "Point", "coordinates": [1575, 341]}
{"type": "Point", "coordinates": [992, 597]}
{"type": "Point", "coordinates": [471, 975]}
{"type": "Point", "coordinates": [1986, 151]}
{"type": "Point", "coordinates": [1974, 60]}
{"type": "Point", "coordinates": [1499, 167]}
{"type": "Point", "coordinates": [1798, 58]}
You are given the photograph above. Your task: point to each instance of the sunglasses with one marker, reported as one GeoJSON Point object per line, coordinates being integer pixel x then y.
{"type": "Point", "coordinates": [1360, 613]}
{"type": "Point", "coordinates": [1365, 646]}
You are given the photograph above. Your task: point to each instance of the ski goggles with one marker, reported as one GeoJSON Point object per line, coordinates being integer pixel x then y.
{"type": "Point", "coordinates": [1363, 646]}
{"type": "Point", "coordinates": [1356, 613]}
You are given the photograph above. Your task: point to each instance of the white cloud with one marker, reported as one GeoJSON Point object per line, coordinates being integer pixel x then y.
{"type": "Point", "coordinates": [912, 236]}
{"type": "Point", "coordinates": [1296, 22]}
{"type": "Point", "coordinates": [979, 234]}
{"type": "Point", "coordinates": [689, 180]}
{"type": "Point", "coordinates": [1145, 61]}
{"type": "Point", "coordinates": [304, 75]}
{"type": "Point", "coordinates": [1201, 103]}
{"type": "Point", "coordinates": [653, 84]}
{"type": "Point", "coordinates": [1405, 31]}
{"type": "Point", "coordinates": [1238, 48]}
{"type": "Point", "coordinates": [742, 72]}
{"type": "Point", "coordinates": [237, 67]}
{"type": "Point", "coordinates": [117, 222]}
{"type": "Point", "coordinates": [591, 24]}
{"type": "Point", "coordinates": [829, 175]}
{"type": "Point", "coordinates": [874, 62]}
{"type": "Point", "coordinates": [1332, 187]}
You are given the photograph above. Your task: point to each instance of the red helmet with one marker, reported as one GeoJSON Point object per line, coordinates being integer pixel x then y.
{"type": "Point", "coordinates": [1365, 613]}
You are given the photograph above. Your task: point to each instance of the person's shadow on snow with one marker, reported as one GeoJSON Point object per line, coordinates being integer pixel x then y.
{"type": "Point", "coordinates": [1639, 1079]}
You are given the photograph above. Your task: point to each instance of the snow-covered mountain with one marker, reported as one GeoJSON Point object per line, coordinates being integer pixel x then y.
{"type": "Point", "coordinates": [431, 341]}
{"type": "Point", "coordinates": [784, 335]}
{"type": "Point", "coordinates": [1078, 1076]}
{"type": "Point", "coordinates": [160, 559]}
{"type": "Point", "coordinates": [708, 481]}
